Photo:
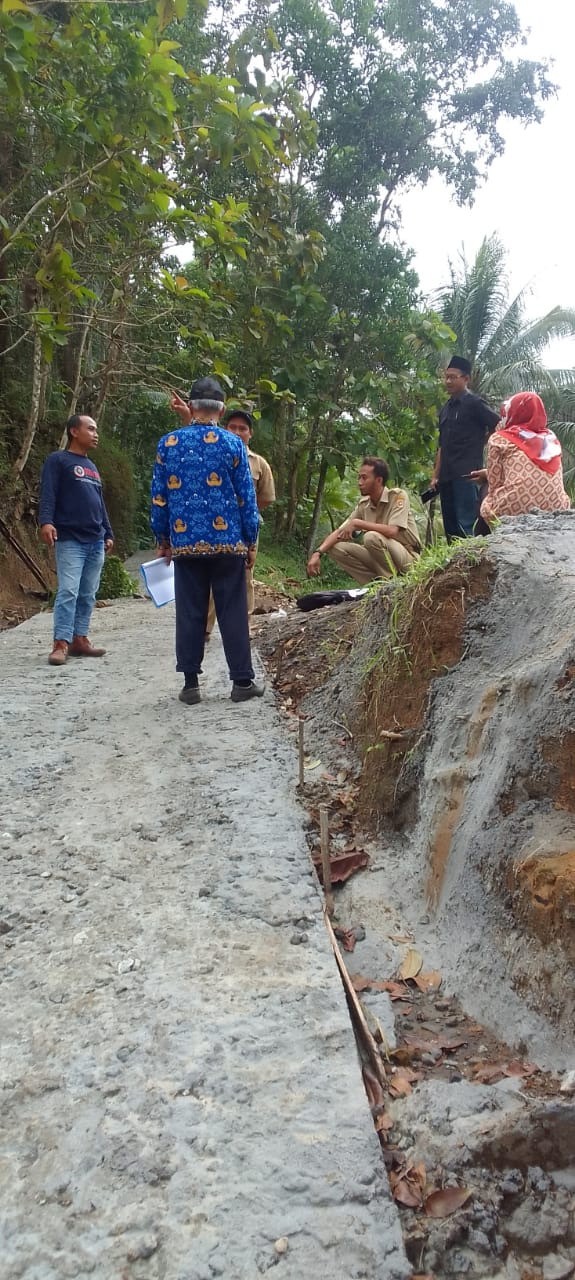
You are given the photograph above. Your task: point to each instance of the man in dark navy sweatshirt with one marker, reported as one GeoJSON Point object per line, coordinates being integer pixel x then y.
{"type": "Point", "coordinates": [74, 521]}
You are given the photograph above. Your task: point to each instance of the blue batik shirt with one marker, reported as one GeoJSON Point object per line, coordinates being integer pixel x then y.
{"type": "Point", "coordinates": [203, 495]}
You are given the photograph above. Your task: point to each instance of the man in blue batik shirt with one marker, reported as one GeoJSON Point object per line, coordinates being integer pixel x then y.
{"type": "Point", "coordinates": [205, 518]}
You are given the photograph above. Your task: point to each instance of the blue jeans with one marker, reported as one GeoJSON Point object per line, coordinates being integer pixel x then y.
{"type": "Point", "coordinates": [459, 507]}
{"type": "Point", "coordinates": [79, 567]}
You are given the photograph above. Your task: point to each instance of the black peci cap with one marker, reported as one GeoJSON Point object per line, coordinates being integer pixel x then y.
{"type": "Point", "coordinates": [459, 362]}
{"type": "Point", "coordinates": [206, 389]}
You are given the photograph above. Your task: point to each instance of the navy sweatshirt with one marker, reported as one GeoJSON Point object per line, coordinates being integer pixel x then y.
{"type": "Point", "coordinates": [71, 498]}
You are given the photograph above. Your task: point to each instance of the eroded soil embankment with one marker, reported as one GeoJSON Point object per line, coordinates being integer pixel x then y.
{"type": "Point", "coordinates": [456, 708]}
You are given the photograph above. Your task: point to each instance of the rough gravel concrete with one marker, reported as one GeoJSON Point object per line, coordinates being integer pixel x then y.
{"type": "Point", "coordinates": [180, 1086]}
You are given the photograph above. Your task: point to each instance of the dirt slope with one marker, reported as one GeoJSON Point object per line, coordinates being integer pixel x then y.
{"type": "Point", "coordinates": [474, 781]}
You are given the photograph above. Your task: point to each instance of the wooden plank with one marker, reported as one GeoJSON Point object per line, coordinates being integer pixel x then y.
{"type": "Point", "coordinates": [358, 1016]}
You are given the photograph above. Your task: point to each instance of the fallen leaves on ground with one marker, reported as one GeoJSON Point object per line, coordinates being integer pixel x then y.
{"type": "Point", "coordinates": [489, 1073]}
{"type": "Point", "coordinates": [395, 989]}
{"type": "Point", "coordinates": [411, 965]}
{"type": "Point", "coordinates": [517, 1068]}
{"type": "Point", "coordinates": [428, 981]}
{"type": "Point", "coordinates": [401, 1082]}
{"type": "Point", "coordinates": [446, 1043]}
{"type": "Point", "coordinates": [492, 1072]}
{"type": "Point", "coordinates": [342, 865]}
{"type": "Point", "coordinates": [346, 937]}
{"type": "Point", "coordinates": [407, 1185]}
{"type": "Point", "coordinates": [440, 1204]}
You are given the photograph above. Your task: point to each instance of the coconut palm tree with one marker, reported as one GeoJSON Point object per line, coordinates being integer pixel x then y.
{"type": "Point", "coordinates": [505, 348]}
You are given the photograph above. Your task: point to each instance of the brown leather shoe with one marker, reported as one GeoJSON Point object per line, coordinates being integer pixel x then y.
{"type": "Point", "coordinates": [59, 653]}
{"type": "Point", "coordinates": [81, 648]}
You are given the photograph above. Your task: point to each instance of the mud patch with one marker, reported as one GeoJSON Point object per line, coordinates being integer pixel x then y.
{"type": "Point", "coordinates": [545, 896]}
{"type": "Point", "coordinates": [301, 650]}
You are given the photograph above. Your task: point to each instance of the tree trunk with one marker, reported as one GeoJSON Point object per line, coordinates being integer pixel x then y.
{"type": "Point", "coordinates": [291, 511]}
{"type": "Point", "coordinates": [313, 528]}
{"type": "Point", "coordinates": [312, 447]}
{"type": "Point", "coordinates": [35, 402]}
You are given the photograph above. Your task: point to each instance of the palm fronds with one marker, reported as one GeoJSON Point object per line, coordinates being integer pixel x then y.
{"type": "Point", "coordinates": [505, 348]}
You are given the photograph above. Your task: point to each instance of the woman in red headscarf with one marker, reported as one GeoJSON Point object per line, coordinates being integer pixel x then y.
{"type": "Point", "coordinates": [524, 469]}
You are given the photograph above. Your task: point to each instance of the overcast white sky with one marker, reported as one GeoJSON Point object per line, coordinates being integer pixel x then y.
{"type": "Point", "coordinates": [529, 195]}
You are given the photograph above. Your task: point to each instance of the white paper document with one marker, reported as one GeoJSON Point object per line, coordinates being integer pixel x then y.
{"type": "Point", "coordinates": [159, 581]}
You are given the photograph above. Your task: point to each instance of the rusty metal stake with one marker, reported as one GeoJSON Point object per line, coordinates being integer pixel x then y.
{"type": "Point", "coordinates": [325, 863]}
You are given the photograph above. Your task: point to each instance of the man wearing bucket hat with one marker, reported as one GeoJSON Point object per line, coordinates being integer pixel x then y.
{"type": "Point", "coordinates": [465, 422]}
{"type": "Point", "coordinates": [205, 517]}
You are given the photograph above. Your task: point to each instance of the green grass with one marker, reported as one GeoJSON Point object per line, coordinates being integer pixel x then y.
{"type": "Point", "coordinates": [410, 588]}
{"type": "Point", "coordinates": [281, 565]}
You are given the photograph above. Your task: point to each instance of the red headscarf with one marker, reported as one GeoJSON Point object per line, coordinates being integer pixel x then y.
{"type": "Point", "coordinates": [524, 423]}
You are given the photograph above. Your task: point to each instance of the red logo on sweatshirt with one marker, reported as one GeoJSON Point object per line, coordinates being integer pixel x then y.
{"type": "Point", "coordinates": [79, 471]}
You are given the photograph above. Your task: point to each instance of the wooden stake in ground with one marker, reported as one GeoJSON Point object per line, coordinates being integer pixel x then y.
{"type": "Point", "coordinates": [24, 556]}
{"type": "Point", "coordinates": [325, 863]}
{"type": "Point", "coordinates": [301, 753]}
{"type": "Point", "coordinates": [363, 1032]}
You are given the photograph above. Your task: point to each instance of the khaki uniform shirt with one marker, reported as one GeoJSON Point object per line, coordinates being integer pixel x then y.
{"type": "Point", "coordinates": [262, 477]}
{"type": "Point", "coordinates": [393, 508]}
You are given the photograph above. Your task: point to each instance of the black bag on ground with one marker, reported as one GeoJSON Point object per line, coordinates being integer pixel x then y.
{"type": "Point", "coordinates": [318, 599]}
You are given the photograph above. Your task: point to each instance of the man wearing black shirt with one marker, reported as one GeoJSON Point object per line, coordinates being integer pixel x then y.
{"type": "Point", "coordinates": [74, 521]}
{"type": "Point", "coordinates": [464, 424]}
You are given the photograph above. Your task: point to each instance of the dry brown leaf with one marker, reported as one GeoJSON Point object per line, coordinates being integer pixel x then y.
{"type": "Point", "coordinates": [440, 1204]}
{"type": "Point", "coordinates": [517, 1068]}
{"type": "Point", "coordinates": [489, 1072]}
{"type": "Point", "coordinates": [400, 1087]}
{"type": "Point", "coordinates": [411, 965]}
{"type": "Point", "coordinates": [434, 1042]}
{"type": "Point", "coordinates": [405, 1193]}
{"type": "Point", "coordinates": [400, 937]}
{"type": "Point", "coordinates": [428, 981]}
{"type": "Point", "coordinates": [359, 983]}
{"type": "Point", "coordinates": [395, 989]}
{"type": "Point", "coordinates": [404, 1055]}
{"type": "Point", "coordinates": [408, 1184]}
{"type": "Point", "coordinates": [383, 1123]}
{"type": "Point", "coordinates": [346, 937]}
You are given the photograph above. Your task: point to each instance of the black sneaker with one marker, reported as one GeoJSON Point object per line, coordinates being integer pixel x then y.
{"type": "Point", "coordinates": [190, 693]}
{"type": "Point", "coordinates": [245, 692]}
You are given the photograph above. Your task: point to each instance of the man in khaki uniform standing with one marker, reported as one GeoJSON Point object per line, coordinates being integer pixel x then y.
{"type": "Point", "coordinates": [239, 422]}
{"type": "Point", "coordinates": [380, 538]}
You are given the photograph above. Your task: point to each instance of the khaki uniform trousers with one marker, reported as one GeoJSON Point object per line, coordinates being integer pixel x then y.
{"type": "Point", "coordinates": [371, 558]}
{"type": "Point", "coordinates": [251, 602]}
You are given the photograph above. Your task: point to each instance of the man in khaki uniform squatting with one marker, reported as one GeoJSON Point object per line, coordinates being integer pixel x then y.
{"type": "Point", "coordinates": [239, 422]}
{"type": "Point", "coordinates": [380, 537]}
